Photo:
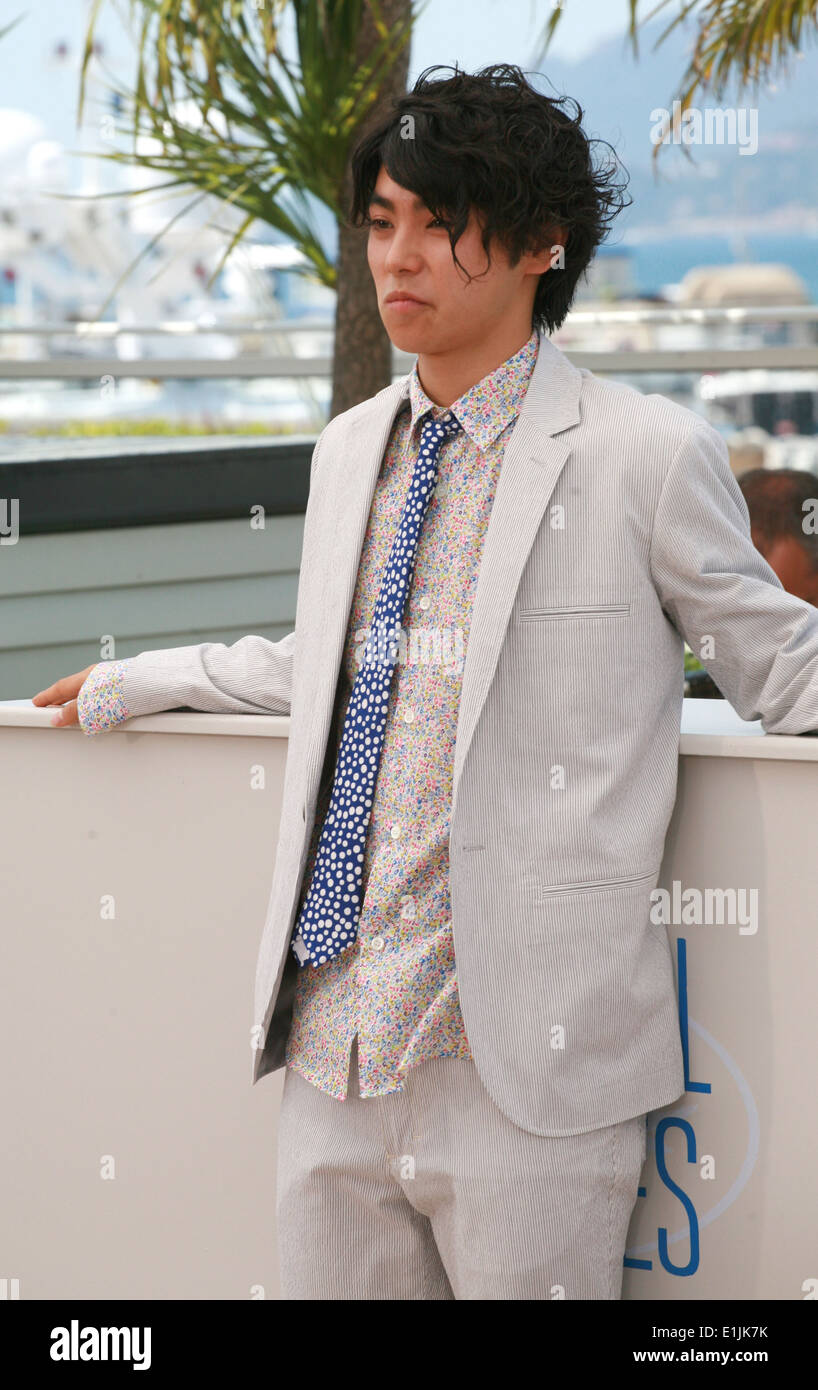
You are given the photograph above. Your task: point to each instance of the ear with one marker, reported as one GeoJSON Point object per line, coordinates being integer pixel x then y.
{"type": "Point", "coordinates": [541, 258]}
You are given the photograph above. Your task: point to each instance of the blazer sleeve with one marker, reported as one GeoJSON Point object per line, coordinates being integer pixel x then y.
{"type": "Point", "coordinates": [713, 583]}
{"type": "Point", "coordinates": [253, 676]}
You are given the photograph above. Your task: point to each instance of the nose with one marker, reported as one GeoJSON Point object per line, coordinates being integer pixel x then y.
{"type": "Point", "coordinates": [402, 252]}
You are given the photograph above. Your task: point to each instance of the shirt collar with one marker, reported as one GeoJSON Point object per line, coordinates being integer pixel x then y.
{"type": "Point", "coordinates": [488, 406]}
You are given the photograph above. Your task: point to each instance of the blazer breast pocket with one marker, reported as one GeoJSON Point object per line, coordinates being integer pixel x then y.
{"type": "Point", "coordinates": [575, 610]}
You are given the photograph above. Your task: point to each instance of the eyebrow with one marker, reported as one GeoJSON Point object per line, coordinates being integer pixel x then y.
{"type": "Point", "coordinates": [382, 202]}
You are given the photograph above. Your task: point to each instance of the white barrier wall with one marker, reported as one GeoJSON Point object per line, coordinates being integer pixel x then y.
{"type": "Point", "coordinates": [138, 1161]}
{"type": "Point", "coordinates": [729, 1204]}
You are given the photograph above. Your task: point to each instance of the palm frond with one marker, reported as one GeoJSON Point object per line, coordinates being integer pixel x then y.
{"type": "Point", "coordinates": [8, 27]}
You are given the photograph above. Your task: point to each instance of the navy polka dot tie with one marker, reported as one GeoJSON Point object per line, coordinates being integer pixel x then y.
{"type": "Point", "coordinates": [328, 923]}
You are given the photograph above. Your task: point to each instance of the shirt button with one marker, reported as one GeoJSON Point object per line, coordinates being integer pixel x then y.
{"type": "Point", "coordinates": [408, 909]}
{"type": "Point", "coordinates": [377, 943]}
{"type": "Point", "coordinates": [425, 601]}
{"type": "Point", "coordinates": [395, 832]}
{"type": "Point", "coordinates": [409, 716]}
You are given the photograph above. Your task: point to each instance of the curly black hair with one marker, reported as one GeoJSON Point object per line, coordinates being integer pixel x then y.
{"type": "Point", "coordinates": [492, 142]}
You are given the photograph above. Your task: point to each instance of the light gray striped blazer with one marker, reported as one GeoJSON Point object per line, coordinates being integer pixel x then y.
{"type": "Point", "coordinates": [617, 529]}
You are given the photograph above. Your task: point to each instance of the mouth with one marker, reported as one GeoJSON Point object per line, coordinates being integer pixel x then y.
{"type": "Point", "coordinates": [404, 302]}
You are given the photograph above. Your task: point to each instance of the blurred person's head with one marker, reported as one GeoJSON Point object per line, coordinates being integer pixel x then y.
{"type": "Point", "coordinates": [776, 501]}
{"type": "Point", "coordinates": [469, 186]}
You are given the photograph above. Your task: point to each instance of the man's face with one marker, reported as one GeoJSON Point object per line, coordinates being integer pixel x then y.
{"type": "Point", "coordinates": [791, 564]}
{"type": "Point", "coordinates": [409, 251]}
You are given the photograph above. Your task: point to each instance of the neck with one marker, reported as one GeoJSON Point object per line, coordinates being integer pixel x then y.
{"type": "Point", "coordinates": [446, 376]}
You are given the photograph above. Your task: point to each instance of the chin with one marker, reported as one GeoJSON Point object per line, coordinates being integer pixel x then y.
{"type": "Point", "coordinates": [407, 338]}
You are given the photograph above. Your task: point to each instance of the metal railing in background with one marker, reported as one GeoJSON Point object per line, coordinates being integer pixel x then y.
{"type": "Point", "coordinates": [700, 357]}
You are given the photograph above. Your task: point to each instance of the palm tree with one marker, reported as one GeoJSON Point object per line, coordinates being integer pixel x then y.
{"type": "Point", "coordinates": [232, 119]}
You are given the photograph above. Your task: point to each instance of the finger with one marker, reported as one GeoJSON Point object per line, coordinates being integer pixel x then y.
{"type": "Point", "coordinates": [64, 689]}
{"type": "Point", "coordinates": [58, 693]}
{"type": "Point", "coordinates": [66, 714]}
{"type": "Point", "coordinates": [55, 694]}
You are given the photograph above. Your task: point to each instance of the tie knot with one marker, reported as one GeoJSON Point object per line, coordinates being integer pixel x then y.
{"type": "Point", "coordinates": [437, 429]}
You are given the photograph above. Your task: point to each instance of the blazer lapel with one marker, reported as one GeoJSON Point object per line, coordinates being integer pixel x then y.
{"type": "Point", "coordinates": [532, 463]}
{"type": "Point", "coordinates": [347, 507]}
{"type": "Point", "coordinates": [530, 469]}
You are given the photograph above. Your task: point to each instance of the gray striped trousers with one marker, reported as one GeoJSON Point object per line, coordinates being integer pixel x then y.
{"type": "Point", "coordinates": [431, 1192]}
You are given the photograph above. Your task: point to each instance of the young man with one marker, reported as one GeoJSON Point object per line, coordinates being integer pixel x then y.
{"type": "Point", "coordinates": [458, 966]}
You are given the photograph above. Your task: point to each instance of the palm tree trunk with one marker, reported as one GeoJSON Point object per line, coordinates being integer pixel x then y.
{"type": "Point", "coordinates": [362, 352]}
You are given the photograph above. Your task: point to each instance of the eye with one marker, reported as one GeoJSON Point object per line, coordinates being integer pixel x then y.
{"type": "Point", "coordinates": [378, 222]}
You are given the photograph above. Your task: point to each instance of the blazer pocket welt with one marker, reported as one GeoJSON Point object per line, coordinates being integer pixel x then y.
{"type": "Point", "coordinates": [544, 891]}
{"type": "Point", "coordinates": [577, 610]}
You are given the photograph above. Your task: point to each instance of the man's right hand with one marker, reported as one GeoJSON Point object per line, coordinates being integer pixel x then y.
{"type": "Point", "coordinates": [63, 694]}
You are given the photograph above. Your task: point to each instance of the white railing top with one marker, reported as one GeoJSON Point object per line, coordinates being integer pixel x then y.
{"type": "Point", "coordinates": [248, 367]}
{"type": "Point", "coordinates": [179, 328]}
{"type": "Point", "coordinates": [208, 323]}
{"type": "Point", "coordinates": [709, 728]}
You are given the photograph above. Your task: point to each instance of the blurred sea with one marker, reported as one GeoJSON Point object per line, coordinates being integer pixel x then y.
{"type": "Point", "coordinates": [666, 260]}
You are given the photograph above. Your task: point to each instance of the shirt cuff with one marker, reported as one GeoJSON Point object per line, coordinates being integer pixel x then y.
{"type": "Point", "coordinates": [101, 703]}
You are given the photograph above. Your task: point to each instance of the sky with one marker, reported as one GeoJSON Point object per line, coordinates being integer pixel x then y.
{"type": "Point", "coordinates": [505, 31]}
